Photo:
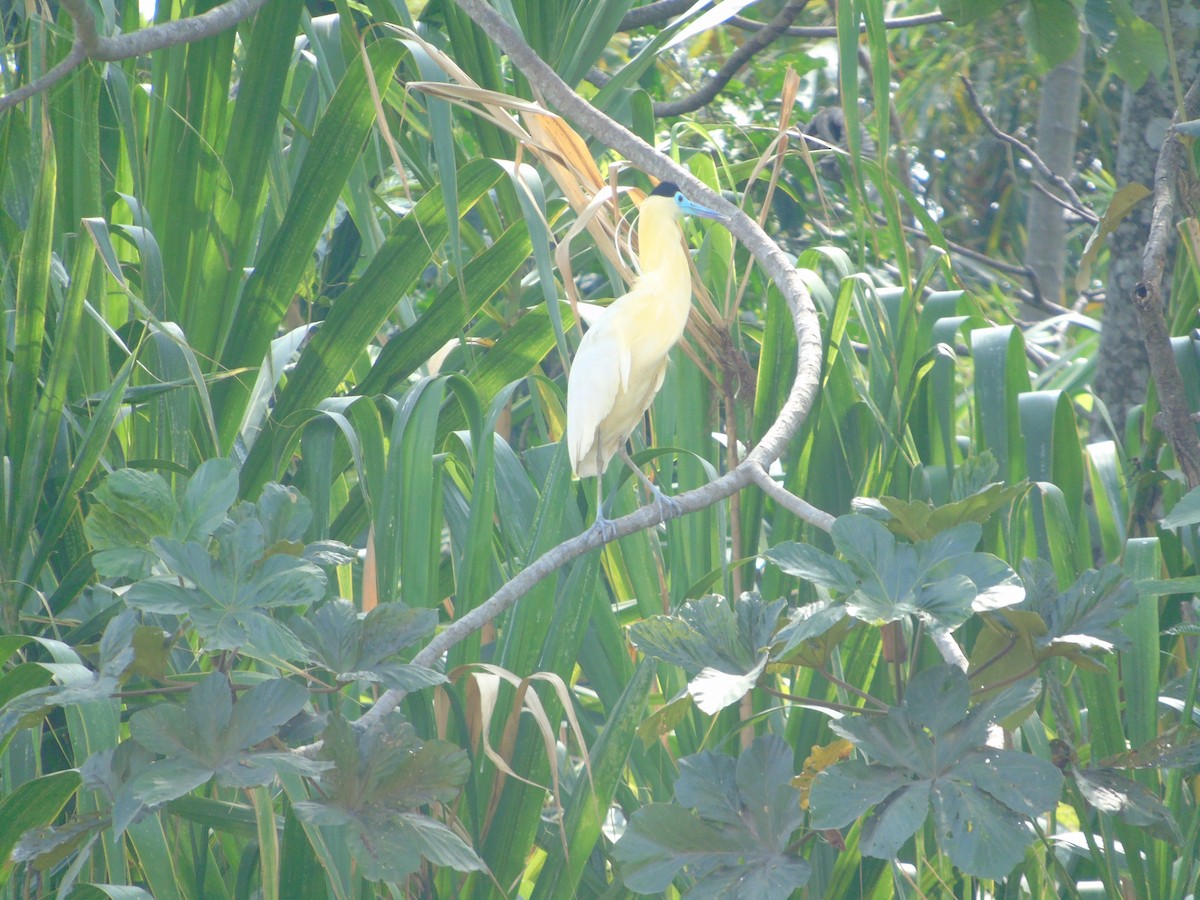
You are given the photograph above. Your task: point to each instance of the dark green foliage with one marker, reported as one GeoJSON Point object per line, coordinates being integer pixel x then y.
{"type": "Point", "coordinates": [730, 828]}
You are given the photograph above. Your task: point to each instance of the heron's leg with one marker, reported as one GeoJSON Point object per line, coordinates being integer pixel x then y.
{"type": "Point", "coordinates": [668, 507]}
{"type": "Point", "coordinates": [602, 523]}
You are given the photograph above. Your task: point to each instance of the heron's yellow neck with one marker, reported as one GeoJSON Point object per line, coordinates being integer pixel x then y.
{"type": "Point", "coordinates": [660, 241]}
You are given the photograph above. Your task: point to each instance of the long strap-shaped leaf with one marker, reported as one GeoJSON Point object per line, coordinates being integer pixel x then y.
{"type": "Point", "coordinates": [364, 307]}
{"type": "Point", "coordinates": [243, 175]}
{"type": "Point", "coordinates": [335, 147]}
{"type": "Point", "coordinates": [33, 285]}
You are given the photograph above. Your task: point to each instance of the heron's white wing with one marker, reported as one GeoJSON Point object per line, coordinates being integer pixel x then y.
{"type": "Point", "coordinates": [599, 373]}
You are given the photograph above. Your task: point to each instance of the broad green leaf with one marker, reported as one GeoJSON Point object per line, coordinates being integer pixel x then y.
{"type": "Point", "coordinates": [895, 820]}
{"type": "Point", "coordinates": [940, 579]}
{"type": "Point", "coordinates": [1129, 801]}
{"type": "Point", "coordinates": [128, 508]}
{"type": "Point", "coordinates": [77, 684]}
{"type": "Point", "coordinates": [1085, 616]}
{"type": "Point", "coordinates": [1176, 748]}
{"type": "Point", "coordinates": [33, 804]}
{"type": "Point", "coordinates": [806, 623]}
{"type": "Point", "coordinates": [379, 779]}
{"type": "Point", "coordinates": [210, 492]}
{"type": "Point", "coordinates": [917, 520]}
{"type": "Point", "coordinates": [737, 833]}
{"type": "Point", "coordinates": [1138, 52]}
{"type": "Point", "coordinates": [210, 735]}
{"type": "Point", "coordinates": [982, 835]}
{"type": "Point", "coordinates": [932, 751]}
{"type": "Point", "coordinates": [817, 566]}
{"type": "Point", "coordinates": [937, 698]}
{"type": "Point", "coordinates": [1052, 29]}
{"type": "Point", "coordinates": [721, 644]}
{"type": "Point", "coordinates": [1185, 512]}
{"type": "Point", "coordinates": [964, 12]}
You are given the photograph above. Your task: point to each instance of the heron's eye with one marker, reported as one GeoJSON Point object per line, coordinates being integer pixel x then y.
{"type": "Point", "coordinates": [679, 198]}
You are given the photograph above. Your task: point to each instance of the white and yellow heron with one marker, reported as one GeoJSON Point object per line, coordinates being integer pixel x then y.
{"type": "Point", "coordinates": [622, 359]}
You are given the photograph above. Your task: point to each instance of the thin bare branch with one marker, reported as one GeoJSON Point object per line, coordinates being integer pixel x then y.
{"type": "Point", "coordinates": [89, 45]}
{"type": "Point", "coordinates": [797, 506]}
{"type": "Point", "coordinates": [1078, 206]}
{"type": "Point", "coordinates": [654, 13]}
{"type": "Point", "coordinates": [1087, 215]}
{"type": "Point", "coordinates": [948, 647]}
{"type": "Point", "coordinates": [778, 266]}
{"type": "Point", "coordinates": [829, 31]}
{"type": "Point", "coordinates": [736, 62]}
{"type": "Point", "coordinates": [64, 68]}
{"type": "Point", "coordinates": [1175, 420]}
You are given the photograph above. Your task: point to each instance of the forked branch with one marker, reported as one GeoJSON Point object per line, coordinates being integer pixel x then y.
{"type": "Point", "coordinates": [91, 45]}
{"type": "Point", "coordinates": [779, 267]}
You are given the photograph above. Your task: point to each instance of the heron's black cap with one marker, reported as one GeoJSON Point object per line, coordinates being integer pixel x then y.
{"type": "Point", "coordinates": [665, 189]}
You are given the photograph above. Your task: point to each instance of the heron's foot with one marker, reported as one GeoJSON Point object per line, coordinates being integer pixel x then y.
{"type": "Point", "coordinates": [606, 527]}
{"type": "Point", "coordinates": [668, 506]}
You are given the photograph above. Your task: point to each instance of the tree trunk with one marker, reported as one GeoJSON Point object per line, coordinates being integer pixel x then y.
{"type": "Point", "coordinates": [1045, 226]}
{"type": "Point", "coordinates": [1122, 371]}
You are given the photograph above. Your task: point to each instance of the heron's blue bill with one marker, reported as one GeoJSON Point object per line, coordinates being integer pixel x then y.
{"type": "Point", "coordinates": [695, 209]}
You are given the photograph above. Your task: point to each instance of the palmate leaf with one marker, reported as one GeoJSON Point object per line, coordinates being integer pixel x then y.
{"type": "Point", "coordinates": [128, 509]}
{"type": "Point", "coordinates": [210, 735]}
{"type": "Point", "coordinates": [722, 645]}
{"type": "Point", "coordinates": [806, 623]}
{"type": "Point", "coordinates": [210, 492]}
{"type": "Point", "coordinates": [77, 683]}
{"type": "Point", "coordinates": [356, 647]}
{"type": "Point", "coordinates": [256, 564]}
{"type": "Point", "coordinates": [131, 507]}
{"type": "Point", "coordinates": [941, 580]}
{"type": "Point", "coordinates": [918, 520]}
{"type": "Point", "coordinates": [931, 753]}
{"type": "Point", "coordinates": [1084, 617]}
{"type": "Point", "coordinates": [380, 778]}
{"type": "Point", "coordinates": [730, 828]}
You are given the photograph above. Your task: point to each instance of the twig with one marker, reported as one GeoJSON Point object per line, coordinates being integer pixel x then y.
{"type": "Point", "coordinates": [740, 57]}
{"type": "Point", "coordinates": [948, 647]}
{"type": "Point", "coordinates": [778, 266]}
{"type": "Point", "coordinates": [46, 81]}
{"type": "Point", "coordinates": [828, 31]}
{"type": "Point", "coordinates": [1175, 420]}
{"type": "Point", "coordinates": [653, 13]}
{"type": "Point", "coordinates": [1086, 214]}
{"type": "Point", "coordinates": [820, 704]}
{"type": "Point", "coordinates": [795, 505]}
{"type": "Point", "coordinates": [1035, 297]}
{"type": "Point", "coordinates": [1079, 207]}
{"type": "Point", "coordinates": [89, 45]}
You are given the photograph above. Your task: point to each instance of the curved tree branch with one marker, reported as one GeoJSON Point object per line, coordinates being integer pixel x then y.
{"type": "Point", "coordinates": [797, 506]}
{"type": "Point", "coordinates": [65, 67]}
{"type": "Point", "coordinates": [90, 45]}
{"type": "Point", "coordinates": [759, 42]}
{"type": "Point", "coordinates": [779, 267]}
{"type": "Point", "coordinates": [654, 13]}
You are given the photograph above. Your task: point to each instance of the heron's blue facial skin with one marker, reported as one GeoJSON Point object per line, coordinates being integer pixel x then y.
{"type": "Point", "coordinates": [687, 207]}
